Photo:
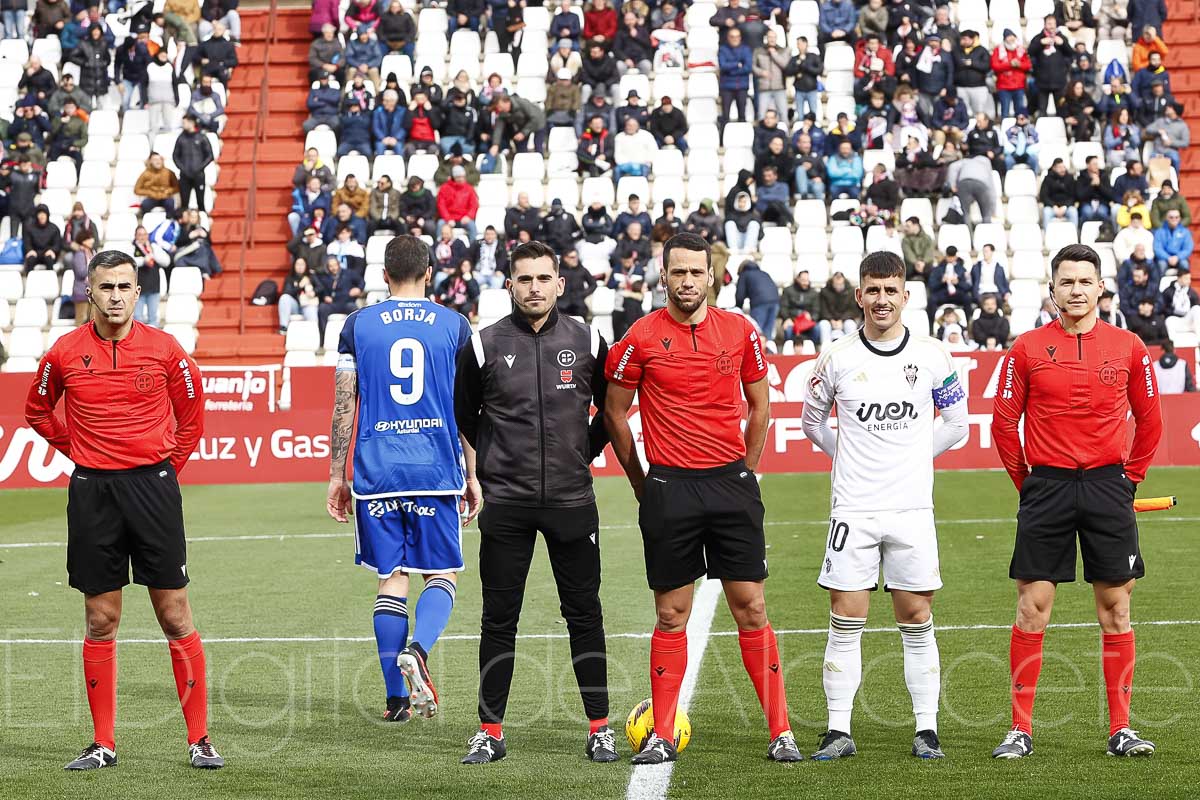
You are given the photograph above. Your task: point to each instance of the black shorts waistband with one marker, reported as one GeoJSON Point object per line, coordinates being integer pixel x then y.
{"type": "Point", "coordinates": [81, 470]}
{"type": "Point", "coordinates": [711, 472]}
{"type": "Point", "coordinates": [1094, 474]}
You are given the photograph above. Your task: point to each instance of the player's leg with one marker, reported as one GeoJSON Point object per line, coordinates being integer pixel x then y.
{"type": "Point", "coordinates": [668, 663]}
{"type": "Point", "coordinates": [573, 544]}
{"type": "Point", "coordinates": [174, 613]}
{"type": "Point", "coordinates": [390, 622]}
{"type": "Point", "coordinates": [507, 535]}
{"type": "Point", "coordinates": [1119, 654]}
{"type": "Point", "coordinates": [102, 613]}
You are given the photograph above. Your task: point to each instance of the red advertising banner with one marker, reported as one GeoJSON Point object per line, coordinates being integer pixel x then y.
{"type": "Point", "coordinates": [271, 425]}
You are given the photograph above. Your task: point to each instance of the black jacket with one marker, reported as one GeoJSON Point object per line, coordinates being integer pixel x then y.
{"type": "Point", "coordinates": [193, 152]}
{"type": "Point", "coordinates": [603, 71]}
{"type": "Point", "coordinates": [560, 230]}
{"type": "Point", "coordinates": [1057, 190]}
{"type": "Point", "coordinates": [579, 285]}
{"type": "Point", "coordinates": [40, 238]}
{"type": "Point", "coordinates": [994, 326]}
{"type": "Point", "coordinates": [972, 69]}
{"type": "Point", "coordinates": [516, 220]}
{"type": "Point", "coordinates": [522, 400]}
{"type": "Point", "coordinates": [668, 123]}
{"type": "Point", "coordinates": [807, 71]}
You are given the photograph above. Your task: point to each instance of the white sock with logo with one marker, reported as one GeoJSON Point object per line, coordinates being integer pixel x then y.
{"type": "Point", "coordinates": [842, 671]}
{"type": "Point", "coordinates": [922, 671]}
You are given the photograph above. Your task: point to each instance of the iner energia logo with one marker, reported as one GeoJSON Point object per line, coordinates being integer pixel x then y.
{"type": "Point", "coordinates": [892, 412]}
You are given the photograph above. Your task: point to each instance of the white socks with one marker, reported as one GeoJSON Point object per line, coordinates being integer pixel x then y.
{"type": "Point", "coordinates": [842, 670]}
{"type": "Point", "coordinates": [922, 671]}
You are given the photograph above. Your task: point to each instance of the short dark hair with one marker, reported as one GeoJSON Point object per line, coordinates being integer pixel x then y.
{"type": "Point", "coordinates": [110, 259]}
{"type": "Point", "coordinates": [1075, 252]}
{"type": "Point", "coordinates": [406, 258]}
{"type": "Point", "coordinates": [881, 264]}
{"type": "Point", "coordinates": [686, 241]}
{"type": "Point", "coordinates": [531, 251]}
{"type": "Point", "coordinates": [914, 219]}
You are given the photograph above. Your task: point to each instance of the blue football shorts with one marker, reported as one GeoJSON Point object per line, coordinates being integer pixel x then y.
{"type": "Point", "coordinates": [409, 533]}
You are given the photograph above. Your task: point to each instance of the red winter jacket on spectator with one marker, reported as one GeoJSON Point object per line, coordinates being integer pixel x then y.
{"type": "Point", "coordinates": [457, 200]}
{"type": "Point", "coordinates": [1008, 77]}
{"type": "Point", "coordinates": [600, 23]}
{"type": "Point", "coordinates": [323, 11]}
{"type": "Point", "coordinates": [862, 61]}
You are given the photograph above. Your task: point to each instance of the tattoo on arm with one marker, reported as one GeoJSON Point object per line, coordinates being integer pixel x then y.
{"type": "Point", "coordinates": [345, 398]}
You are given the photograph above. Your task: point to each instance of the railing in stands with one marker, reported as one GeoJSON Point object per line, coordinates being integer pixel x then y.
{"type": "Point", "coordinates": [260, 133]}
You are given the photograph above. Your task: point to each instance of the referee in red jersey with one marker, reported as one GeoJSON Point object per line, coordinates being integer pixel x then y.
{"type": "Point", "coordinates": [701, 513]}
{"type": "Point", "coordinates": [1075, 380]}
{"type": "Point", "coordinates": [134, 414]}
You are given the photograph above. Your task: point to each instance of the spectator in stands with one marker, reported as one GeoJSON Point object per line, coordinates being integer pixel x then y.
{"type": "Point", "coordinates": [343, 217]}
{"type": "Point", "coordinates": [770, 67]}
{"type": "Point", "coordinates": [130, 71]}
{"type": "Point", "coordinates": [1113, 95]}
{"type": "Point", "coordinates": [941, 24]}
{"type": "Point", "coordinates": [363, 55]}
{"type": "Point", "coordinates": [1132, 203]}
{"type": "Point", "coordinates": [36, 81]}
{"type": "Point", "coordinates": [578, 285]}
{"type": "Point", "coordinates": [426, 85]}
{"type": "Point", "coordinates": [799, 309]}
{"type": "Point", "coordinates": [565, 26]}
{"type": "Point", "coordinates": [217, 55]}
{"type": "Point", "coordinates": [808, 171]}
{"type": "Point", "coordinates": [346, 249]}
{"type": "Point", "coordinates": [759, 288]}
{"type": "Point", "coordinates": [873, 89]}
{"type": "Point", "coordinates": [597, 245]}
{"type": "Point", "coordinates": [490, 259]}
{"type": "Point", "coordinates": [42, 241]}
{"type": "Point", "coordinates": [1130, 237]}
{"type": "Point", "coordinates": [735, 60]}
{"type": "Point", "coordinates": [397, 30]}
{"type": "Point", "coordinates": [69, 134]}
{"type": "Point", "coordinates": [195, 248]}
{"type": "Point", "coordinates": [354, 134]}
{"type": "Point", "coordinates": [1148, 323]}
{"type": "Point", "coordinates": [866, 50]}
{"type": "Point", "coordinates": [324, 104]}
{"type": "Point", "coordinates": [448, 251]}
{"type": "Point", "coordinates": [628, 281]}
{"type": "Point", "coordinates": [459, 124]}
{"type": "Point", "coordinates": [1154, 107]}
{"type": "Point", "coordinates": [633, 108]}
{"type": "Point", "coordinates": [1169, 134]}
{"type": "Point", "coordinates": [1133, 178]}
{"type": "Point", "coordinates": [919, 251]}
{"type": "Point", "coordinates": [1094, 192]}
{"type": "Point", "coordinates": [935, 73]}
{"type": "Point", "coordinates": [633, 213]}
{"type": "Point", "coordinates": [1078, 111]}
{"type": "Point", "coordinates": [1143, 13]}
{"type": "Point", "coordinates": [1149, 42]}
{"type": "Point", "coordinates": [49, 17]}
{"type": "Point", "coordinates": [669, 126]}
{"type": "Point", "coordinates": [323, 12]}
{"type": "Point", "coordinates": [705, 222]}
{"type": "Point", "coordinates": [1138, 279]}
{"type": "Point", "coordinates": [990, 329]}
{"type": "Point", "coordinates": [362, 13]}
{"type": "Point", "coordinates": [78, 220]}
{"type": "Point", "coordinates": [22, 187]}
{"type": "Point", "coordinates": [1051, 58]}
{"type": "Point", "coordinates": [1058, 195]}
{"type": "Point", "coordinates": [29, 118]}
{"type": "Point", "coordinates": [596, 150]}
{"type": "Point", "coordinates": [156, 186]}
{"type": "Point", "coordinates": [341, 290]}
{"type": "Point", "coordinates": [1076, 17]}
{"type": "Point", "coordinates": [313, 166]}
{"type": "Point", "coordinates": [989, 277]}
{"type": "Point", "coordinates": [776, 154]}
{"type": "Point", "coordinates": [836, 22]}
{"type": "Point", "coordinates": [1145, 77]}
{"type": "Point", "coordinates": [421, 124]}
{"type": "Point", "coordinates": [309, 247]}
{"type": "Point", "coordinates": [743, 225]}
{"type": "Point", "coordinates": [25, 149]}
{"type": "Point", "coordinates": [807, 67]}
{"type": "Point", "coordinates": [301, 294]}
{"type": "Point", "coordinates": [1114, 19]}
{"type": "Point", "coordinates": [520, 125]}
{"type": "Point", "coordinates": [162, 92]}
{"type": "Point", "coordinates": [325, 55]}
{"type": "Point", "coordinates": [454, 159]}
{"type": "Point", "coordinates": [563, 100]}
{"type": "Point", "coordinates": [845, 171]}
{"type": "Point", "coordinates": [390, 211]}
{"type": "Point", "coordinates": [305, 202]}
{"type": "Point", "coordinates": [149, 277]}
{"type": "Point", "coordinates": [840, 314]}
{"type": "Point", "coordinates": [558, 228]}
{"type": "Point", "coordinates": [521, 217]}
{"type": "Point", "coordinates": [566, 56]}
{"type": "Point", "coordinates": [85, 248]}
{"type": "Point", "coordinates": [1172, 374]}
{"type": "Point", "coordinates": [1172, 244]}
{"type": "Point", "coordinates": [972, 66]}
{"type": "Point", "coordinates": [457, 203]}
{"type": "Point", "coordinates": [1180, 300]}
{"type": "Point", "coordinates": [599, 72]}
{"type": "Point", "coordinates": [387, 125]}
{"type": "Point", "coordinates": [460, 291]}
{"type": "Point", "coordinates": [1122, 139]}
{"type": "Point", "coordinates": [632, 240]}
{"type": "Point", "coordinates": [1167, 200]}
{"type": "Point", "coordinates": [1108, 314]}
{"type": "Point", "coordinates": [632, 47]}
{"type": "Point", "coordinates": [223, 11]}
{"type": "Point", "coordinates": [353, 195]}
{"type": "Point", "coordinates": [666, 225]}
{"type": "Point", "coordinates": [771, 198]}
{"type": "Point", "coordinates": [1084, 71]}
{"type": "Point", "coordinates": [950, 116]}
{"type": "Point", "coordinates": [67, 88]}
{"type": "Point", "coordinates": [633, 150]}
{"type": "Point", "coordinates": [949, 284]}
{"type": "Point", "coordinates": [207, 106]}
{"type": "Point", "coordinates": [182, 18]}
{"type": "Point", "coordinates": [596, 105]}
{"type": "Point", "coordinates": [1021, 144]}
{"type": "Point", "coordinates": [600, 23]}
{"type": "Point", "coordinates": [984, 140]}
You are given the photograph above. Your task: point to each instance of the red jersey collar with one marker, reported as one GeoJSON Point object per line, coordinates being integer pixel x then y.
{"type": "Point", "coordinates": [1058, 326]}
{"type": "Point", "coordinates": [133, 332]}
{"type": "Point", "coordinates": [687, 326]}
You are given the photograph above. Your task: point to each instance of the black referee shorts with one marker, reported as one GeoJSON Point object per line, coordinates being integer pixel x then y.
{"type": "Point", "coordinates": [698, 522]}
{"type": "Point", "coordinates": [1058, 503]}
{"type": "Point", "coordinates": [115, 517]}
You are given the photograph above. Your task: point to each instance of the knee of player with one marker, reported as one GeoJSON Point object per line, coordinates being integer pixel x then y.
{"type": "Point", "coordinates": [1032, 617]}
{"type": "Point", "coordinates": [750, 614]}
{"type": "Point", "coordinates": [671, 619]}
{"type": "Point", "coordinates": [102, 624]}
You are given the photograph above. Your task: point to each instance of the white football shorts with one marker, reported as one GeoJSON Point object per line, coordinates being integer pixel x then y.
{"type": "Point", "coordinates": [904, 541]}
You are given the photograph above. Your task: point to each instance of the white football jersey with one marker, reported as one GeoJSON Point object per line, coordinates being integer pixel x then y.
{"type": "Point", "coordinates": [885, 399]}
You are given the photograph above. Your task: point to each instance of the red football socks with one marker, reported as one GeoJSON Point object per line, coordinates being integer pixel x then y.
{"type": "Point", "coordinates": [492, 729]}
{"type": "Point", "coordinates": [668, 662]}
{"type": "Point", "coordinates": [1120, 654]}
{"type": "Point", "coordinates": [187, 662]}
{"type": "Point", "coordinates": [100, 673]}
{"type": "Point", "coordinates": [760, 655]}
{"type": "Point", "coordinates": [596, 724]}
{"type": "Point", "coordinates": [1025, 664]}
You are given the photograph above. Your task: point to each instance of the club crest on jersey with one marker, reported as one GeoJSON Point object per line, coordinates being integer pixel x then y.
{"type": "Point", "coordinates": [1108, 375]}
{"type": "Point", "coordinates": [566, 358]}
{"type": "Point", "coordinates": [143, 382]}
{"type": "Point", "coordinates": [910, 375]}
{"type": "Point", "coordinates": [724, 364]}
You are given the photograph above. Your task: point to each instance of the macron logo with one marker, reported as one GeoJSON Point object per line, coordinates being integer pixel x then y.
{"type": "Point", "coordinates": [509, 359]}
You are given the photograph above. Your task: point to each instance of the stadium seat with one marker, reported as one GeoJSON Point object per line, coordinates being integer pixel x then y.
{"type": "Point", "coordinates": [703, 162]}
{"type": "Point", "coordinates": [302, 335]}
{"type": "Point", "coordinates": [810, 242]}
{"type": "Point", "coordinates": [100, 148]}
{"type": "Point", "coordinates": [957, 236]}
{"type": "Point", "coordinates": [990, 233]}
{"type": "Point", "coordinates": [494, 304]}
{"type": "Point", "coordinates": [373, 279]}
{"type": "Point", "coordinates": [1020, 182]}
{"type": "Point", "coordinates": [603, 301]}
{"type": "Point", "coordinates": [534, 187]}
{"type": "Point", "coordinates": [423, 165]}
{"type": "Point", "coordinates": [597, 189]}
{"type": "Point", "coordinates": [564, 188]}
{"type": "Point", "coordinates": [668, 188]}
{"type": "Point", "coordinates": [401, 65]}
{"type": "Point", "coordinates": [500, 64]}
{"type": "Point", "coordinates": [1082, 151]}
{"type": "Point", "coordinates": [1088, 231]}
{"type": "Point", "coordinates": [918, 207]}
{"type": "Point", "coordinates": [333, 329]}
{"type": "Point", "coordinates": [42, 284]}
{"type": "Point", "coordinates": [31, 312]}
{"type": "Point", "coordinates": [669, 85]}
{"type": "Point", "coordinates": [529, 166]}
{"type": "Point", "coordinates": [186, 281]}
{"type": "Point", "coordinates": [1026, 294]}
{"type": "Point", "coordinates": [1051, 130]}
{"type": "Point", "coordinates": [1022, 211]}
{"type": "Point", "coordinates": [872, 157]}
{"type": "Point", "coordinates": [879, 241]}
{"type": "Point", "coordinates": [184, 334]}
{"type": "Point", "coordinates": [561, 139]}
{"type": "Point", "coordinates": [391, 165]}
{"type": "Point", "coordinates": [737, 159]}
{"type": "Point", "coordinates": [1059, 234]}
{"type": "Point", "coordinates": [182, 309]}
{"type": "Point", "coordinates": [776, 241]}
{"type": "Point", "coordinates": [562, 164]}
{"type": "Point", "coordinates": [300, 358]}
{"type": "Point", "coordinates": [356, 165]}
{"type": "Point", "coordinates": [780, 267]}
{"type": "Point", "coordinates": [1027, 265]}
{"type": "Point", "coordinates": [847, 240]}
{"type": "Point", "coordinates": [325, 140]}
{"type": "Point", "coordinates": [26, 342]}
{"type": "Point", "coordinates": [703, 85]}
{"type": "Point", "coordinates": [839, 57]}
{"type": "Point", "coordinates": [12, 288]}
{"type": "Point", "coordinates": [917, 294]}
{"type": "Point", "coordinates": [490, 215]}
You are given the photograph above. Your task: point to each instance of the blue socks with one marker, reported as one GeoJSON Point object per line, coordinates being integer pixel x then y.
{"type": "Point", "coordinates": [433, 612]}
{"type": "Point", "coordinates": [391, 632]}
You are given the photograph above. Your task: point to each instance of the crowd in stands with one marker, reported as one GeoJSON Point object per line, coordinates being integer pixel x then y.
{"type": "Point", "coordinates": [970, 145]}
{"type": "Point", "coordinates": [92, 73]}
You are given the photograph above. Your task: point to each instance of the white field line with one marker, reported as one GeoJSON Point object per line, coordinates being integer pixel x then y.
{"type": "Point", "coordinates": [652, 781]}
{"type": "Point", "coordinates": [466, 637]}
{"type": "Point", "coordinates": [269, 537]}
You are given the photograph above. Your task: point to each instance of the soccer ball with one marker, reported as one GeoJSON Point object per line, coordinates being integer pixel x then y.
{"type": "Point", "coordinates": [640, 725]}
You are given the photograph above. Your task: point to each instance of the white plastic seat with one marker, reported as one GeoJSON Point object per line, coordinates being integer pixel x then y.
{"type": "Point", "coordinates": [376, 246]}
{"type": "Point", "coordinates": [810, 242]}
{"type": "Point", "coordinates": [325, 140]}
{"type": "Point", "coordinates": [776, 241]}
{"type": "Point", "coordinates": [100, 148]}
{"type": "Point", "coordinates": [494, 304]}
{"type": "Point", "coordinates": [918, 296]}
{"type": "Point", "coordinates": [560, 139]}
{"type": "Point", "coordinates": [1022, 210]}
{"type": "Point", "coordinates": [61, 174]}
{"type": "Point", "coordinates": [500, 64]}
{"type": "Point", "coordinates": [780, 267]}
{"type": "Point", "coordinates": [918, 207]}
{"type": "Point", "coordinates": [31, 312]}
{"type": "Point", "coordinates": [15, 50]}
{"type": "Point", "coordinates": [811, 213]}
{"type": "Point", "coordinates": [562, 164]}
{"type": "Point", "coordinates": [738, 134]}
{"type": "Point", "coordinates": [838, 57]}
{"type": "Point", "coordinates": [847, 240]}
{"type": "Point", "coordinates": [1021, 181]}
{"type": "Point", "coordinates": [333, 329]}
{"type": "Point", "coordinates": [633, 81]}
{"type": "Point", "coordinates": [668, 188]}
{"type": "Point", "coordinates": [42, 284]}
{"type": "Point", "coordinates": [669, 85]}
{"type": "Point", "coordinates": [597, 189]}
{"type": "Point", "coordinates": [94, 175]}
{"type": "Point", "coordinates": [358, 166]}
{"type": "Point", "coordinates": [11, 286]}
{"type": "Point", "coordinates": [1051, 130]}
{"type": "Point", "coordinates": [136, 121]}
{"type": "Point", "coordinates": [534, 187]}
{"type": "Point", "coordinates": [1027, 265]}
{"type": "Point", "coordinates": [184, 334]}
{"type": "Point", "coordinates": [186, 281]}
{"type": "Point", "coordinates": [957, 236]}
{"type": "Point", "coordinates": [391, 165]}
{"type": "Point", "coordinates": [423, 165]}
{"type": "Point", "coordinates": [990, 233]}
{"type": "Point", "coordinates": [399, 64]}
{"type": "Point", "coordinates": [182, 309]}
{"type": "Point", "coordinates": [564, 188]}
{"type": "Point", "coordinates": [302, 336]}
{"type": "Point", "coordinates": [737, 159]}
{"type": "Point", "coordinates": [702, 162]}
{"type": "Point", "coordinates": [701, 85]}
{"type": "Point", "coordinates": [1082, 151]}
{"type": "Point", "coordinates": [528, 165]}
{"type": "Point", "coordinates": [300, 358]}
{"type": "Point", "coordinates": [872, 157]}
{"type": "Point", "coordinates": [632, 184]}
{"type": "Point", "coordinates": [1026, 293]}
{"type": "Point", "coordinates": [105, 122]}
{"type": "Point", "coordinates": [121, 226]}
{"type": "Point", "coordinates": [58, 201]}
{"type": "Point", "coordinates": [1059, 234]}
{"type": "Point", "coordinates": [26, 342]}
{"type": "Point", "coordinates": [95, 202]}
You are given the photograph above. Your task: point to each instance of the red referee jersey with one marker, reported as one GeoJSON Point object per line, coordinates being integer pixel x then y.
{"type": "Point", "coordinates": [689, 382]}
{"type": "Point", "coordinates": [130, 403]}
{"type": "Point", "coordinates": [1075, 391]}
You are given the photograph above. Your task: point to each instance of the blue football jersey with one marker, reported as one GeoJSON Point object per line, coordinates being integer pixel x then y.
{"type": "Point", "coordinates": [404, 351]}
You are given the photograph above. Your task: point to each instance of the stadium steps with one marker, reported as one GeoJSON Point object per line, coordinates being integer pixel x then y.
{"type": "Point", "coordinates": [1182, 34]}
{"type": "Point", "coordinates": [221, 340]}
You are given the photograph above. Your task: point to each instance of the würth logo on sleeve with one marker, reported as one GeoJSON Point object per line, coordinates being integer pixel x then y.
{"type": "Point", "coordinates": [187, 379]}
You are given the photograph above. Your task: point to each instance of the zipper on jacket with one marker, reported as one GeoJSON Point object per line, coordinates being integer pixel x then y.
{"type": "Point", "coordinates": [1079, 344]}
{"type": "Point", "coordinates": [114, 344]}
{"type": "Point", "coordinates": [695, 347]}
{"type": "Point", "coordinates": [537, 365]}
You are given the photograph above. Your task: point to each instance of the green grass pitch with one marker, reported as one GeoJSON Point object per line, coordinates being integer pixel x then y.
{"type": "Point", "coordinates": [299, 718]}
